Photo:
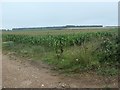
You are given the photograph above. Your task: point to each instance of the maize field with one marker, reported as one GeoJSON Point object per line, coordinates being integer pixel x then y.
{"type": "Point", "coordinates": [105, 52]}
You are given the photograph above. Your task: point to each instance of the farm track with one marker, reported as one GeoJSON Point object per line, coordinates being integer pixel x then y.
{"type": "Point", "coordinates": [18, 73]}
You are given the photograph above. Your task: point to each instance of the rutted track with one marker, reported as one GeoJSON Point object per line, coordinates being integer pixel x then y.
{"type": "Point", "coordinates": [19, 73]}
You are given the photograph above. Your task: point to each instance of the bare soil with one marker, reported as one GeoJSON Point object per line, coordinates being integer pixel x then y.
{"type": "Point", "coordinates": [19, 73]}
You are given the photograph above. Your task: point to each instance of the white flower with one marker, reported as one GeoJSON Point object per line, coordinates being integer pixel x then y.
{"type": "Point", "coordinates": [63, 60]}
{"type": "Point", "coordinates": [77, 59]}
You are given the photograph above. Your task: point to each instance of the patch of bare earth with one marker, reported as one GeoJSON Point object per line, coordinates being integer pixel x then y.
{"type": "Point", "coordinates": [18, 73]}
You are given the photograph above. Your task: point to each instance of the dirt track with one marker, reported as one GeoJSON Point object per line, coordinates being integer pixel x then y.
{"type": "Point", "coordinates": [19, 73]}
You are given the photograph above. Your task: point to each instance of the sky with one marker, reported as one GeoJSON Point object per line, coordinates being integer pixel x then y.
{"type": "Point", "coordinates": [40, 14]}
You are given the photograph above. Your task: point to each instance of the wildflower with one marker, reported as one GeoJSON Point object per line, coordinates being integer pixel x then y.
{"type": "Point", "coordinates": [63, 60]}
{"type": "Point", "coordinates": [77, 59]}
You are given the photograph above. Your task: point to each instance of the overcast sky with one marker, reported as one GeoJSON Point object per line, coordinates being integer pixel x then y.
{"type": "Point", "coordinates": [26, 14]}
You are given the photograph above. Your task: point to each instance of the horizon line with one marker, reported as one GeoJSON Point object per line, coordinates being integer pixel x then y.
{"type": "Point", "coordinates": [58, 26]}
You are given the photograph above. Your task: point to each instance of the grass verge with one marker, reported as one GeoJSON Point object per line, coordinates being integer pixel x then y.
{"type": "Point", "coordinates": [75, 59]}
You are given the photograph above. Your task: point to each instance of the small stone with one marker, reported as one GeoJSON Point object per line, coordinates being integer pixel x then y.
{"type": "Point", "coordinates": [63, 85]}
{"type": "Point", "coordinates": [19, 68]}
{"type": "Point", "coordinates": [54, 75]}
{"type": "Point", "coordinates": [42, 85]}
{"type": "Point", "coordinates": [35, 77]}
